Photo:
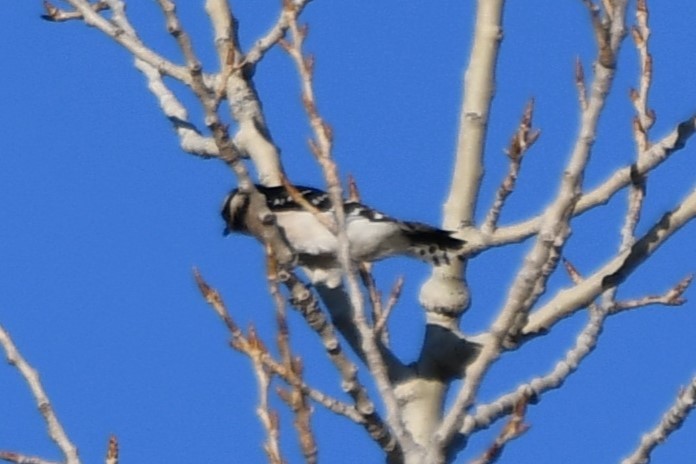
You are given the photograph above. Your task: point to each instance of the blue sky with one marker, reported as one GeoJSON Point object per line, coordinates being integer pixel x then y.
{"type": "Point", "coordinates": [103, 217]}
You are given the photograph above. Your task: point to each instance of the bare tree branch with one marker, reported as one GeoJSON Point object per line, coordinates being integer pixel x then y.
{"type": "Point", "coordinates": [585, 343]}
{"type": "Point", "coordinates": [277, 32]}
{"type": "Point", "coordinates": [479, 82]}
{"type": "Point", "coordinates": [568, 301]}
{"type": "Point", "coordinates": [671, 421]}
{"type": "Point", "coordinates": [642, 123]}
{"type": "Point", "coordinates": [649, 160]}
{"type": "Point", "coordinates": [321, 146]}
{"type": "Point", "coordinates": [417, 427]}
{"type": "Point", "coordinates": [127, 38]}
{"type": "Point", "coordinates": [253, 137]}
{"type": "Point", "coordinates": [296, 398]}
{"type": "Point", "coordinates": [190, 137]}
{"type": "Point", "coordinates": [645, 117]}
{"type": "Point", "coordinates": [514, 428]}
{"type": "Point", "coordinates": [445, 293]}
{"type": "Point", "coordinates": [364, 411]}
{"type": "Point", "coordinates": [530, 281]}
{"type": "Point", "coordinates": [112, 451]}
{"type": "Point", "coordinates": [308, 306]}
{"type": "Point", "coordinates": [17, 458]}
{"type": "Point", "coordinates": [580, 84]}
{"type": "Point", "coordinates": [240, 342]}
{"type": "Point", "coordinates": [297, 401]}
{"type": "Point", "coordinates": [381, 322]}
{"type": "Point", "coordinates": [31, 376]}
{"type": "Point", "coordinates": [523, 139]}
{"type": "Point", "coordinates": [53, 13]}
{"type": "Point", "coordinates": [267, 415]}
{"type": "Point", "coordinates": [672, 297]}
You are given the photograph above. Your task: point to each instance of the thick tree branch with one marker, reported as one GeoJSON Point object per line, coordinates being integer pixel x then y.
{"type": "Point", "coordinates": [253, 137]}
{"type": "Point", "coordinates": [479, 84]}
{"type": "Point", "coordinates": [568, 301]}
{"type": "Point", "coordinates": [190, 138]}
{"type": "Point", "coordinates": [446, 292]}
{"type": "Point", "coordinates": [531, 280]}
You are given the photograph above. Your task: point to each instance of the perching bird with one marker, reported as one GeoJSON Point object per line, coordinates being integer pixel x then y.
{"type": "Point", "coordinates": [372, 235]}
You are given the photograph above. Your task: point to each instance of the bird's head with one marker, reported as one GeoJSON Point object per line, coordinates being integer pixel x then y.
{"type": "Point", "coordinates": [234, 210]}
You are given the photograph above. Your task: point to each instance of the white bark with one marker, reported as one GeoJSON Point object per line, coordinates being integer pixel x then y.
{"type": "Point", "coordinates": [31, 376]}
{"type": "Point", "coordinates": [413, 394]}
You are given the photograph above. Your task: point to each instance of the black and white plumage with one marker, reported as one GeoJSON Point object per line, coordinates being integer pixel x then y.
{"type": "Point", "coordinates": [371, 234]}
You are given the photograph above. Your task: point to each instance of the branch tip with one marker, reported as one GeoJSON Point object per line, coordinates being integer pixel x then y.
{"type": "Point", "coordinates": [353, 191]}
{"type": "Point", "coordinates": [112, 450]}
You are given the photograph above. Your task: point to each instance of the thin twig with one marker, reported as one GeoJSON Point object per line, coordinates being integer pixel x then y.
{"type": "Point", "coordinates": [353, 191]}
{"type": "Point", "coordinates": [673, 297]}
{"type": "Point", "coordinates": [659, 152]}
{"type": "Point", "coordinates": [297, 401]}
{"type": "Point", "coordinates": [321, 146]}
{"type": "Point", "coordinates": [112, 451]}
{"type": "Point", "coordinates": [55, 14]}
{"type": "Point", "coordinates": [18, 458]}
{"type": "Point", "coordinates": [521, 141]}
{"type": "Point", "coordinates": [242, 344]}
{"type": "Point", "coordinates": [227, 150]}
{"type": "Point", "coordinates": [642, 123]}
{"type": "Point", "coordinates": [297, 197]}
{"type": "Point", "coordinates": [267, 415]}
{"type": "Point", "coordinates": [275, 34]}
{"type": "Point", "coordinates": [296, 398]}
{"type": "Point", "coordinates": [31, 376]}
{"type": "Point", "coordinates": [514, 428]}
{"type": "Point", "coordinates": [381, 323]}
{"type": "Point", "coordinates": [645, 117]}
{"type": "Point", "coordinates": [373, 293]}
{"type": "Point", "coordinates": [118, 29]}
{"type": "Point", "coordinates": [364, 412]}
{"type": "Point", "coordinates": [308, 306]}
{"type": "Point", "coordinates": [580, 83]}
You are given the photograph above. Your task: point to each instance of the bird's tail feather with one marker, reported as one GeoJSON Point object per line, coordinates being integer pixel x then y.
{"type": "Point", "coordinates": [433, 245]}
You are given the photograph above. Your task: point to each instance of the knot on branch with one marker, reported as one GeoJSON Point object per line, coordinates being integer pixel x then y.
{"type": "Point", "coordinates": [444, 294]}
